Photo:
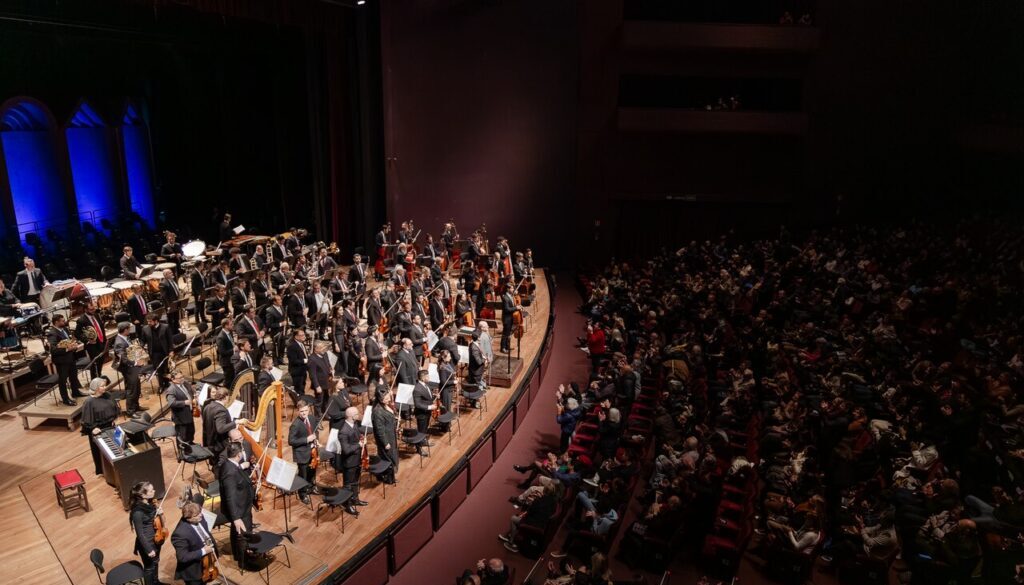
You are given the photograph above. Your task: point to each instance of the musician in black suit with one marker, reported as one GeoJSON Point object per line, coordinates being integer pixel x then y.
{"type": "Point", "coordinates": [374, 311]}
{"type": "Point", "coordinates": [349, 459]}
{"type": "Point", "coordinates": [446, 378]}
{"type": "Point", "coordinates": [226, 349]}
{"type": "Point", "coordinates": [169, 294]}
{"type": "Point", "coordinates": [224, 231]}
{"type": "Point", "coordinates": [136, 305]}
{"type": "Point", "coordinates": [236, 497]}
{"type": "Point", "coordinates": [219, 274]}
{"type": "Point", "coordinates": [402, 322]}
{"type": "Point", "coordinates": [236, 262]}
{"type": "Point", "coordinates": [130, 267]}
{"type": "Point", "coordinates": [423, 404]}
{"type": "Point", "coordinates": [217, 306]}
{"type": "Point", "coordinates": [349, 315]}
{"type": "Point", "coordinates": [64, 358]}
{"type": "Point", "coordinates": [325, 262]}
{"type": "Point", "coordinates": [217, 423]}
{"type": "Point", "coordinates": [385, 430]}
{"type": "Point", "coordinates": [374, 352]}
{"type": "Point", "coordinates": [448, 343]}
{"type": "Point", "coordinates": [476, 360]}
{"type": "Point", "coordinates": [357, 274]}
{"type": "Point", "coordinates": [388, 300]}
{"type": "Point", "coordinates": [29, 283]}
{"type": "Point", "coordinates": [239, 298]}
{"type": "Point", "coordinates": [261, 291]}
{"type": "Point", "coordinates": [249, 327]}
{"type": "Point", "coordinates": [279, 278]}
{"type": "Point", "coordinates": [297, 307]}
{"type": "Point", "coordinates": [298, 357]}
{"type": "Point", "coordinates": [181, 399]}
{"type": "Point", "coordinates": [302, 437]}
{"type": "Point", "coordinates": [339, 339]}
{"type": "Point", "coordinates": [264, 378]}
{"type": "Point", "coordinates": [418, 338]}
{"type": "Point", "coordinates": [243, 358]}
{"type": "Point", "coordinates": [319, 368]}
{"type": "Point", "coordinates": [275, 317]}
{"type": "Point", "coordinates": [199, 284]}
{"type": "Point", "coordinates": [98, 415]}
{"type": "Point", "coordinates": [171, 250]}
{"type": "Point", "coordinates": [247, 458]}
{"type": "Point", "coordinates": [406, 364]}
{"type": "Point", "coordinates": [143, 510]}
{"type": "Point", "coordinates": [88, 320]}
{"type": "Point", "coordinates": [128, 368]}
{"type": "Point", "coordinates": [508, 307]}
{"type": "Point", "coordinates": [437, 310]}
{"type": "Point", "coordinates": [192, 541]}
{"type": "Point", "coordinates": [156, 338]}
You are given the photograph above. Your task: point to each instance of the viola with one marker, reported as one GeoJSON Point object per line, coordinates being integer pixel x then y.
{"type": "Point", "coordinates": [196, 413]}
{"type": "Point", "coordinates": [365, 462]}
{"type": "Point", "coordinates": [160, 532]}
{"type": "Point", "coordinates": [210, 571]}
{"type": "Point", "coordinates": [314, 457]}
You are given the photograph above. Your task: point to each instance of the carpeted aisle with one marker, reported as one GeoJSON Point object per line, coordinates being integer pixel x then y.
{"type": "Point", "coordinates": [472, 532]}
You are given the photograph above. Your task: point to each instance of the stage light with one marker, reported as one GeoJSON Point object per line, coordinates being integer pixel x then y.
{"type": "Point", "coordinates": [360, 2]}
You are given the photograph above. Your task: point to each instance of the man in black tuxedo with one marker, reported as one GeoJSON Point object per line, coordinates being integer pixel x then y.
{"type": "Point", "coordinates": [246, 459]}
{"type": "Point", "coordinates": [236, 497]}
{"type": "Point", "coordinates": [320, 373]}
{"type": "Point", "coordinates": [199, 284]}
{"type": "Point", "coordinates": [181, 398]}
{"type": "Point", "coordinates": [476, 360]}
{"type": "Point", "coordinates": [301, 437]}
{"type": "Point", "coordinates": [219, 274]}
{"type": "Point", "coordinates": [406, 364]}
{"type": "Point", "coordinates": [275, 317]}
{"type": "Point", "coordinates": [88, 320]}
{"type": "Point", "coordinates": [418, 338]}
{"type": "Point", "coordinates": [64, 358]}
{"type": "Point", "coordinates": [448, 343]}
{"type": "Point", "coordinates": [192, 541]}
{"type": "Point", "coordinates": [349, 459]}
{"type": "Point", "coordinates": [129, 369]}
{"type": "Point", "coordinates": [249, 327]}
{"type": "Point", "coordinates": [156, 338]}
{"type": "Point", "coordinates": [226, 349]}
{"type": "Point", "coordinates": [357, 274]}
{"type": "Point", "coordinates": [137, 308]}
{"type": "Point", "coordinates": [169, 294]}
{"type": "Point", "coordinates": [243, 359]}
{"type": "Point", "coordinates": [298, 359]}
{"type": "Point", "coordinates": [224, 231]}
{"type": "Point", "coordinates": [261, 291]}
{"type": "Point", "coordinates": [130, 267]}
{"type": "Point", "coordinates": [29, 283]}
{"type": "Point", "coordinates": [508, 307]}
{"type": "Point", "coordinates": [374, 354]}
{"type": "Point", "coordinates": [297, 307]}
{"type": "Point", "coordinates": [374, 310]}
{"type": "Point", "coordinates": [423, 404]}
{"type": "Point", "coordinates": [236, 262]}
{"type": "Point", "coordinates": [217, 423]}
{"type": "Point", "coordinates": [217, 306]}
{"type": "Point", "coordinates": [239, 298]}
{"type": "Point", "coordinates": [264, 378]}
{"type": "Point", "coordinates": [437, 310]}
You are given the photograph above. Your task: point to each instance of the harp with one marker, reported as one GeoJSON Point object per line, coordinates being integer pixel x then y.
{"type": "Point", "coordinates": [272, 398]}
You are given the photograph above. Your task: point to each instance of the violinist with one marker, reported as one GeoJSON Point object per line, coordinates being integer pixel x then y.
{"type": "Point", "coordinates": [423, 404]}
{"type": "Point", "coordinates": [143, 513]}
{"type": "Point", "coordinates": [402, 324]}
{"type": "Point", "coordinates": [373, 350]}
{"type": "Point", "coordinates": [508, 308]}
{"type": "Point", "coordinates": [374, 311]}
{"type": "Point", "coordinates": [446, 377]}
{"type": "Point", "coordinates": [246, 459]}
{"type": "Point", "coordinates": [419, 338]}
{"type": "Point", "coordinates": [339, 332]}
{"type": "Point", "coordinates": [236, 499]}
{"type": "Point", "coordinates": [302, 438]}
{"type": "Point", "coordinates": [437, 310]}
{"type": "Point", "coordinates": [338, 404]}
{"type": "Point", "coordinates": [192, 541]}
{"type": "Point", "coordinates": [388, 300]}
{"type": "Point", "coordinates": [349, 460]}
{"type": "Point", "coordinates": [385, 425]}
{"type": "Point", "coordinates": [182, 401]}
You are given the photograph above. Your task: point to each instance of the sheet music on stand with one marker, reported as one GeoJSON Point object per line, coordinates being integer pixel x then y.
{"type": "Point", "coordinates": [404, 394]}
{"type": "Point", "coordinates": [332, 358]}
{"type": "Point", "coordinates": [238, 229]}
{"type": "Point", "coordinates": [432, 375]}
{"type": "Point", "coordinates": [333, 444]}
{"type": "Point", "coordinates": [282, 473]}
{"type": "Point", "coordinates": [235, 410]}
{"type": "Point", "coordinates": [276, 373]}
{"type": "Point", "coordinates": [463, 354]}
{"type": "Point", "coordinates": [367, 421]}
{"type": "Point", "coordinates": [210, 517]}
{"type": "Point", "coordinates": [204, 393]}
{"type": "Point", "coordinates": [432, 340]}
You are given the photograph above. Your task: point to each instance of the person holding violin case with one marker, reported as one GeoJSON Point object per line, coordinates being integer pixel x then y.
{"type": "Point", "coordinates": [193, 547]}
{"type": "Point", "coordinates": [146, 519]}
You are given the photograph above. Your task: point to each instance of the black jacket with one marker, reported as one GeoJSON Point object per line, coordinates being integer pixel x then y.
{"type": "Point", "coordinates": [21, 282]}
{"type": "Point", "coordinates": [141, 517]}
{"type": "Point", "coordinates": [447, 343]}
{"type": "Point", "coordinates": [275, 319]}
{"type": "Point", "coordinates": [422, 398]}
{"type": "Point", "coordinates": [58, 354]}
{"type": "Point", "coordinates": [319, 372]}
{"type": "Point", "coordinates": [406, 367]}
{"type": "Point", "coordinates": [180, 401]}
{"type": "Point", "coordinates": [236, 492]}
{"type": "Point", "coordinates": [169, 293]}
{"type": "Point", "coordinates": [157, 341]}
{"type": "Point", "coordinates": [199, 284]}
{"type": "Point", "coordinates": [297, 357]}
{"type": "Point", "coordinates": [135, 308]}
{"type": "Point", "coordinates": [348, 437]}
{"type": "Point", "coordinates": [297, 308]}
{"type": "Point", "coordinates": [216, 425]}
{"type": "Point", "coordinates": [225, 348]}
{"type": "Point", "coordinates": [188, 551]}
{"type": "Point", "coordinates": [245, 330]}
{"type": "Point", "coordinates": [297, 435]}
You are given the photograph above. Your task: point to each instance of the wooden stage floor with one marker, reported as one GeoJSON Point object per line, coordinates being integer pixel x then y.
{"type": "Point", "coordinates": [44, 548]}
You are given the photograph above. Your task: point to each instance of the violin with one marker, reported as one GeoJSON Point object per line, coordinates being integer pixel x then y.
{"type": "Point", "coordinates": [210, 570]}
{"type": "Point", "coordinates": [196, 413]}
{"type": "Point", "coordinates": [365, 461]}
{"type": "Point", "coordinates": [314, 456]}
{"type": "Point", "coordinates": [160, 532]}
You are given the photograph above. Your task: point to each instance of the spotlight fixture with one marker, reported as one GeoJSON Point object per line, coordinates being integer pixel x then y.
{"type": "Point", "coordinates": [360, 2]}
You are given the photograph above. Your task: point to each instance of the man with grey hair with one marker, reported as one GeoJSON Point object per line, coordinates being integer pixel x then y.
{"type": "Point", "coordinates": [486, 347]}
{"type": "Point", "coordinates": [350, 458]}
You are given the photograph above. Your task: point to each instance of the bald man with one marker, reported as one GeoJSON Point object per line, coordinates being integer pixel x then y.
{"type": "Point", "coordinates": [349, 459]}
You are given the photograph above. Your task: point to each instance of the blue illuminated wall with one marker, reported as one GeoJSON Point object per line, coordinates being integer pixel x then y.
{"type": "Point", "coordinates": [93, 167]}
{"type": "Point", "coordinates": [33, 172]}
{"type": "Point", "coordinates": [138, 164]}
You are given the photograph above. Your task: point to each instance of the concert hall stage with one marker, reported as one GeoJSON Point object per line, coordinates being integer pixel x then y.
{"type": "Point", "coordinates": [44, 548]}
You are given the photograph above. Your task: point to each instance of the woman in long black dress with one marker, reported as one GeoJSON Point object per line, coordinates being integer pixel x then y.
{"type": "Point", "coordinates": [143, 511]}
{"type": "Point", "coordinates": [385, 430]}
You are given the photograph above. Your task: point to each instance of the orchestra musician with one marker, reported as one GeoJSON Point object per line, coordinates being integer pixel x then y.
{"type": "Point", "coordinates": [318, 304]}
{"type": "Point", "coordinates": [339, 287]}
{"type": "Point", "coordinates": [192, 541]}
{"type": "Point", "coordinates": [357, 274]}
{"type": "Point", "coordinates": [217, 307]}
{"type": "Point", "coordinates": [182, 400]}
{"type": "Point", "coordinates": [260, 256]}
{"type": "Point", "coordinates": [250, 328]}
{"type": "Point", "coordinates": [298, 357]}
{"type": "Point", "coordinates": [475, 373]}
{"type": "Point", "coordinates": [388, 300]}
{"type": "Point", "coordinates": [320, 373]}
{"type": "Point", "coordinates": [171, 250]}
{"type": "Point", "coordinates": [97, 347]}
{"type": "Point", "coordinates": [280, 277]}
{"type": "Point", "coordinates": [337, 405]}
{"type": "Point", "coordinates": [275, 317]}
{"type": "Point", "coordinates": [302, 437]}
{"type": "Point", "coordinates": [486, 347]}
{"type": "Point", "coordinates": [236, 499]}
{"type": "Point", "coordinates": [169, 294]}
{"type": "Point", "coordinates": [418, 338]}
{"type": "Point", "coordinates": [224, 232]}
{"type": "Point", "coordinates": [199, 285]}
{"type": "Point", "coordinates": [385, 430]}
{"type": "Point", "coordinates": [402, 321]}
{"type": "Point", "coordinates": [143, 512]}
{"type": "Point", "coordinates": [217, 423]}
{"type": "Point", "coordinates": [374, 311]}
{"type": "Point", "coordinates": [236, 263]}
{"type": "Point", "coordinates": [226, 349]}
{"type": "Point", "coordinates": [508, 307]}
{"type": "Point", "coordinates": [219, 274]}
{"type": "Point", "coordinates": [349, 459]}
{"type": "Point", "coordinates": [156, 338]}
{"type": "Point", "coordinates": [64, 359]}
{"type": "Point", "coordinates": [265, 377]}
{"type": "Point", "coordinates": [98, 414]}
{"type": "Point", "coordinates": [280, 249]}
{"type": "Point", "coordinates": [349, 315]}
{"type": "Point", "coordinates": [130, 267]}
{"type": "Point", "coordinates": [246, 458]}
{"type": "Point", "coordinates": [339, 333]}
{"type": "Point", "coordinates": [243, 359]}
{"type": "Point", "coordinates": [129, 370]}
{"type": "Point", "coordinates": [324, 262]}
{"type": "Point", "coordinates": [406, 364]}
{"type": "Point", "coordinates": [136, 305]}
{"type": "Point", "coordinates": [519, 268]}
{"type": "Point", "coordinates": [239, 298]}
{"type": "Point", "coordinates": [7, 301]}
{"type": "Point", "coordinates": [29, 283]}
{"type": "Point", "coordinates": [261, 291]}
{"type": "Point", "coordinates": [446, 378]}
{"type": "Point", "coordinates": [464, 310]}
{"type": "Point", "coordinates": [297, 307]}
{"type": "Point", "coordinates": [437, 310]}
{"type": "Point", "coordinates": [423, 406]}
{"type": "Point", "coordinates": [448, 342]}
{"type": "Point", "coordinates": [373, 349]}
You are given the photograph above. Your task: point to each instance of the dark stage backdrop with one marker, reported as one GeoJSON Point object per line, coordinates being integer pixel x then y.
{"type": "Point", "coordinates": [480, 113]}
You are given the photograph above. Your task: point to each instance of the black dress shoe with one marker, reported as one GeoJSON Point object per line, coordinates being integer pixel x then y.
{"type": "Point", "coordinates": [69, 402]}
{"type": "Point", "coordinates": [315, 491]}
{"type": "Point", "coordinates": [519, 468]}
{"type": "Point", "coordinates": [351, 510]}
{"type": "Point", "coordinates": [304, 499]}
{"type": "Point", "coordinates": [77, 394]}
{"type": "Point", "coordinates": [361, 503]}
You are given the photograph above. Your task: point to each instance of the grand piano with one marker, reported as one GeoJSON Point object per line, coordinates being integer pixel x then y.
{"type": "Point", "coordinates": [138, 460]}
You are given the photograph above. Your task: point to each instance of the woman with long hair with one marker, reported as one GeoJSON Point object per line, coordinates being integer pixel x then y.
{"type": "Point", "coordinates": [143, 510]}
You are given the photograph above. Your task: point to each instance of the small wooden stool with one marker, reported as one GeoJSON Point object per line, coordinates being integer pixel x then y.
{"type": "Point", "coordinates": [70, 488]}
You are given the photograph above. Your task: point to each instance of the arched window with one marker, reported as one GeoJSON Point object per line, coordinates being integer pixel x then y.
{"type": "Point", "coordinates": [138, 162]}
{"type": "Point", "coordinates": [38, 191]}
{"type": "Point", "coordinates": [92, 151]}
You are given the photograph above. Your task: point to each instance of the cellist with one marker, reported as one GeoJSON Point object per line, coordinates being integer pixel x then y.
{"type": "Point", "coordinates": [192, 542]}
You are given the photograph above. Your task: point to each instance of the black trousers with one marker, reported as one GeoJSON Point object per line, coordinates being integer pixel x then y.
{"type": "Point", "coordinates": [200, 304]}
{"type": "Point", "coordinates": [93, 350]}
{"type": "Point", "coordinates": [151, 567]}
{"type": "Point", "coordinates": [309, 474]}
{"type": "Point", "coordinates": [506, 335]}
{"type": "Point", "coordinates": [132, 388]}
{"type": "Point", "coordinates": [299, 380]}
{"type": "Point", "coordinates": [66, 373]}
{"type": "Point", "coordinates": [185, 432]}
{"type": "Point", "coordinates": [97, 460]}
{"type": "Point", "coordinates": [237, 542]}
{"type": "Point", "coordinates": [161, 372]}
{"type": "Point", "coordinates": [229, 371]}
{"type": "Point", "coordinates": [350, 477]}
{"type": "Point", "coordinates": [422, 420]}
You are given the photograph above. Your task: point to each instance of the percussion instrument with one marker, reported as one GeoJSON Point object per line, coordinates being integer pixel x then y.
{"type": "Point", "coordinates": [96, 284]}
{"type": "Point", "coordinates": [65, 291]}
{"type": "Point", "coordinates": [147, 266]}
{"type": "Point", "coordinates": [194, 248]}
{"type": "Point", "coordinates": [124, 288]}
{"type": "Point", "coordinates": [104, 296]}
{"type": "Point", "coordinates": [153, 282]}
{"type": "Point", "coordinates": [164, 266]}
{"type": "Point", "coordinates": [26, 309]}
